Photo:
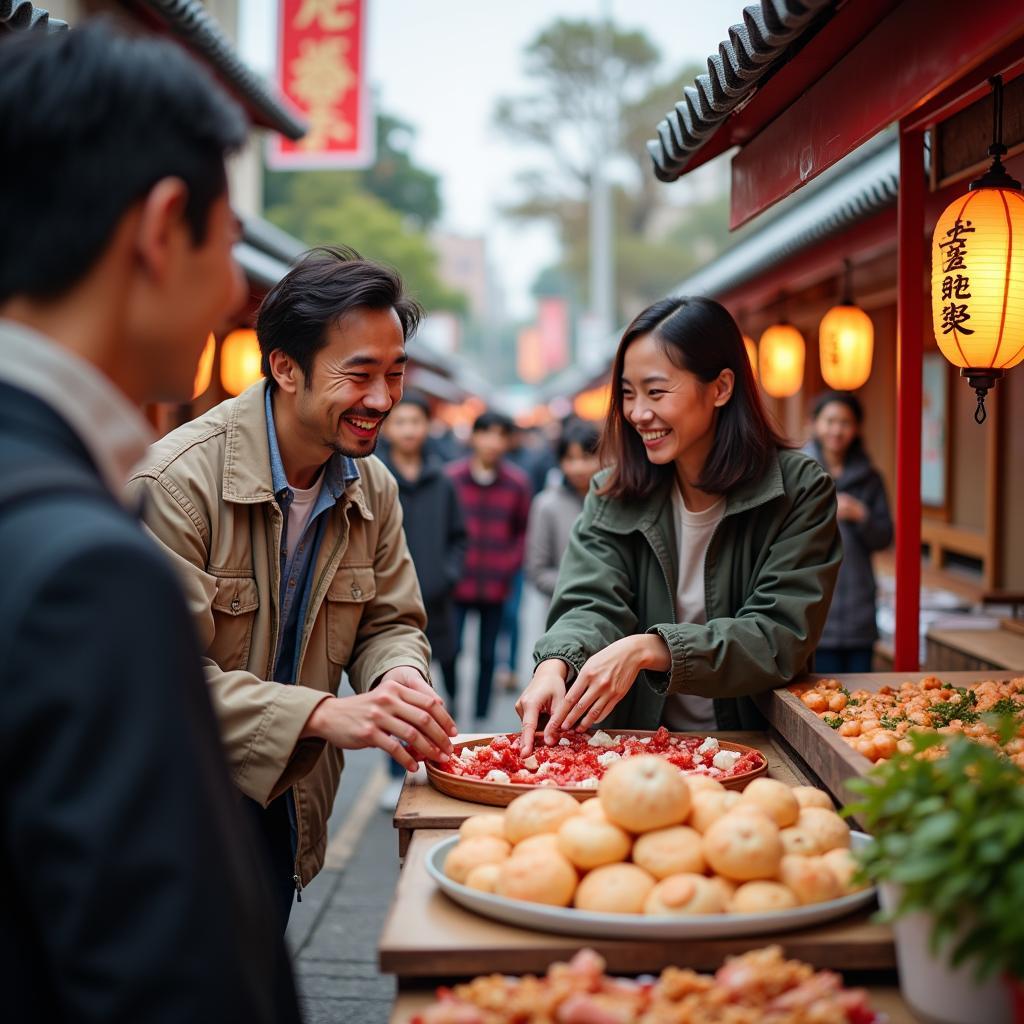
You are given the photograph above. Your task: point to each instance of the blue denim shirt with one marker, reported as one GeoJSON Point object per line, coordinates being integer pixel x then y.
{"type": "Point", "coordinates": [297, 566]}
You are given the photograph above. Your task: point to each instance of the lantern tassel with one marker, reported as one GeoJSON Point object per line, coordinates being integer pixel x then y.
{"type": "Point", "coordinates": [982, 380]}
{"type": "Point", "coordinates": [980, 415]}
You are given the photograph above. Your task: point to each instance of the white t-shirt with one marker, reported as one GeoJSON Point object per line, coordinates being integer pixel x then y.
{"type": "Point", "coordinates": [684, 712]}
{"type": "Point", "coordinates": [299, 512]}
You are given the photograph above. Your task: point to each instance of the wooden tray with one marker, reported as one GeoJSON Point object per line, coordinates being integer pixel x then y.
{"type": "Point", "coordinates": [428, 936]}
{"type": "Point", "coordinates": [826, 754]}
{"type": "Point", "coordinates": [501, 794]}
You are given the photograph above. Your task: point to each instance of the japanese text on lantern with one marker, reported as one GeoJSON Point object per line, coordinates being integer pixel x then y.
{"type": "Point", "coordinates": [956, 284]}
{"type": "Point", "coordinates": [321, 69]}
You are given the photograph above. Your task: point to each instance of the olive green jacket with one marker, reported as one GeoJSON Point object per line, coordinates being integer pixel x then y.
{"type": "Point", "coordinates": [768, 578]}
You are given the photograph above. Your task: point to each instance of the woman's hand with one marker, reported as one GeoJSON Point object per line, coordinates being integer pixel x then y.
{"type": "Point", "coordinates": [850, 509]}
{"type": "Point", "coordinates": [545, 692]}
{"type": "Point", "coordinates": [605, 679]}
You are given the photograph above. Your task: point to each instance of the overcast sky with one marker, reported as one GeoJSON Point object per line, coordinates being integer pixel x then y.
{"type": "Point", "coordinates": [443, 64]}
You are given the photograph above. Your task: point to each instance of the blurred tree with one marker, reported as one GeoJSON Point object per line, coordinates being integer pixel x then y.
{"type": "Point", "coordinates": [325, 207]}
{"type": "Point", "coordinates": [382, 212]}
{"type": "Point", "coordinates": [656, 244]}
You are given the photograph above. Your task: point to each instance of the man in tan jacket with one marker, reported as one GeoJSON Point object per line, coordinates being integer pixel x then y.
{"type": "Point", "coordinates": [293, 557]}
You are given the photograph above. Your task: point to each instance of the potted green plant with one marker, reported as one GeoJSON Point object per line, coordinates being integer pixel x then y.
{"type": "Point", "coordinates": [949, 859]}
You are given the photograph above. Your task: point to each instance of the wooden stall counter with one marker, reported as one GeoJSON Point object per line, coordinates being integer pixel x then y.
{"type": "Point", "coordinates": [422, 807]}
{"type": "Point", "coordinates": [426, 935]}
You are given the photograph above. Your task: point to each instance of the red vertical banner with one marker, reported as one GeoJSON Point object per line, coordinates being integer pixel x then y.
{"type": "Point", "coordinates": [321, 69]}
{"type": "Point", "coordinates": [553, 324]}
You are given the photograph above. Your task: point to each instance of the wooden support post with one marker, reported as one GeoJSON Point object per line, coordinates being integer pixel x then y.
{"type": "Point", "coordinates": [910, 312]}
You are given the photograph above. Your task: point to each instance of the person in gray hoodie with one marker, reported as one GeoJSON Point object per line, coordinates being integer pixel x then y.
{"type": "Point", "coordinates": [865, 525]}
{"type": "Point", "coordinates": [556, 509]}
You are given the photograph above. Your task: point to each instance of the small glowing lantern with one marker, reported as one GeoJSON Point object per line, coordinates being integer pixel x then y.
{"type": "Point", "coordinates": [593, 404]}
{"type": "Point", "coordinates": [781, 360]}
{"type": "Point", "coordinates": [751, 347]}
{"type": "Point", "coordinates": [204, 369]}
{"type": "Point", "coordinates": [978, 273]}
{"type": "Point", "coordinates": [846, 341]}
{"type": "Point", "coordinates": [240, 361]}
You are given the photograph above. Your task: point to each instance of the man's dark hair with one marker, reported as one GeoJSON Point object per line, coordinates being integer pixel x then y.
{"type": "Point", "coordinates": [698, 335]}
{"type": "Point", "coordinates": [90, 121]}
{"type": "Point", "coordinates": [417, 399]}
{"type": "Point", "coordinates": [317, 292]}
{"type": "Point", "coordinates": [579, 432]}
{"type": "Point", "coordinates": [847, 398]}
{"type": "Point", "coordinates": [489, 419]}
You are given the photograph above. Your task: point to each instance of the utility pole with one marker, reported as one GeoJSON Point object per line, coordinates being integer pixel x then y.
{"type": "Point", "coordinates": [602, 255]}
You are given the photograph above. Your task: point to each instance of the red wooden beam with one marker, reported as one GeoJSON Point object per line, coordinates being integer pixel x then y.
{"type": "Point", "coordinates": [919, 49]}
{"type": "Point", "coordinates": [909, 359]}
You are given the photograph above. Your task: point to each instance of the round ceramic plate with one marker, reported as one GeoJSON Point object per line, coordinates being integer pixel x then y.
{"type": "Point", "coordinates": [568, 921]}
{"type": "Point", "coordinates": [501, 794]}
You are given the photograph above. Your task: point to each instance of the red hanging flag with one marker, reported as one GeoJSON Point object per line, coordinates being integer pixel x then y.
{"type": "Point", "coordinates": [321, 68]}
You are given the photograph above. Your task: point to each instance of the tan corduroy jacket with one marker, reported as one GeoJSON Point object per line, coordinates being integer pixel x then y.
{"type": "Point", "coordinates": [208, 498]}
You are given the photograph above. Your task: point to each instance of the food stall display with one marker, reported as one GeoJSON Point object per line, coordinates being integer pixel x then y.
{"type": "Point", "coordinates": [760, 985]}
{"type": "Point", "coordinates": [657, 854]}
{"type": "Point", "coordinates": [877, 723]}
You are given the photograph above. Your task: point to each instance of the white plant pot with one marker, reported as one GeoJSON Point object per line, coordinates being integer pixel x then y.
{"type": "Point", "coordinates": [936, 991]}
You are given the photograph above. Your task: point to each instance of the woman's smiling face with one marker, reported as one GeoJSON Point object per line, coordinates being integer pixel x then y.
{"type": "Point", "coordinates": [671, 409]}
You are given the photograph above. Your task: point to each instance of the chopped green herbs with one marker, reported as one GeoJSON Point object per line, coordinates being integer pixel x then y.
{"type": "Point", "coordinates": [832, 721]}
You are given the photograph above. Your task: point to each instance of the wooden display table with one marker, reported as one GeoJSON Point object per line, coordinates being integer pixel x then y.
{"type": "Point", "coordinates": [823, 754]}
{"type": "Point", "coordinates": [975, 650]}
{"type": "Point", "coordinates": [422, 807]}
{"type": "Point", "coordinates": [884, 998]}
{"type": "Point", "coordinates": [426, 935]}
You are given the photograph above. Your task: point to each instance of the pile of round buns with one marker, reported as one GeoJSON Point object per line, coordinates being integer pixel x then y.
{"type": "Point", "coordinates": [654, 842]}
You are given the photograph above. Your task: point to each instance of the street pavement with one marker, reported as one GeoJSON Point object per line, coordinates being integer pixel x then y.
{"type": "Point", "coordinates": [333, 932]}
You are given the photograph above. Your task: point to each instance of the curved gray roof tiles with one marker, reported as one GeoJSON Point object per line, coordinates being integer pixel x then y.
{"type": "Point", "coordinates": [21, 16]}
{"type": "Point", "coordinates": [753, 49]}
{"type": "Point", "coordinates": [193, 24]}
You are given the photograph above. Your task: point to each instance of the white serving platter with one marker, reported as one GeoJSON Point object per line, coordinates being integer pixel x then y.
{"type": "Point", "coordinates": [568, 921]}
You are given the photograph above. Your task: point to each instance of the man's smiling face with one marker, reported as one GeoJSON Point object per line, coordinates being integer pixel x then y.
{"type": "Point", "coordinates": [356, 380]}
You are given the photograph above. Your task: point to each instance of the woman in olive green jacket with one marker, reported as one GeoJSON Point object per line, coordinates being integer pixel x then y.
{"type": "Point", "coordinates": [701, 569]}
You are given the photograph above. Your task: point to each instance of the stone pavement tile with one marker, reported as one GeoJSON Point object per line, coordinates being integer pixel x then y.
{"type": "Point", "coordinates": [332, 986]}
{"type": "Point", "coordinates": [345, 1011]}
{"type": "Point", "coordinates": [349, 934]}
{"type": "Point", "coordinates": [310, 967]}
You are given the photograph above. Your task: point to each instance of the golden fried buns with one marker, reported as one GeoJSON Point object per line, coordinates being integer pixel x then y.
{"type": "Point", "coordinates": [708, 806]}
{"type": "Point", "coordinates": [762, 897]}
{"type": "Point", "coordinates": [614, 889]}
{"type": "Point", "coordinates": [543, 842]}
{"type": "Point", "coordinates": [699, 783]}
{"type": "Point", "coordinates": [800, 842]}
{"type": "Point", "coordinates": [592, 809]}
{"type": "Point", "coordinates": [828, 829]}
{"type": "Point", "coordinates": [537, 877]}
{"type": "Point", "coordinates": [590, 842]}
{"type": "Point", "coordinates": [843, 865]}
{"type": "Point", "coordinates": [670, 851]}
{"type": "Point", "coordinates": [743, 847]}
{"type": "Point", "coordinates": [810, 878]}
{"type": "Point", "coordinates": [808, 796]}
{"type": "Point", "coordinates": [774, 798]}
{"type": "Point", "coordinates": [471, 853]}
{"type": "Point", "coordinates": [543, 810]}
{"type": "Point", "coordinates": [483, 877]}
{"type": "Point", "coordinates": [483, 825]}
{"type": "Point", "coordinates": [685, 894]}
{"type": "Point", "coordinates": [644, 793]}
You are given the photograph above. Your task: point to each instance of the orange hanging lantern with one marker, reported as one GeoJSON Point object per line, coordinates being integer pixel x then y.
{"type": "Point", "coordinates": [781, 360]}
{"type": "Point", "coordinates": [846, 341]}
{"type": "Point", "coordinates": [593, 405]}
{"type": "Point", "coordinates": [240, 361]}
{"type": "Point", "coordinates": [751, 347]}
{"type": "Point", "coordinates": [204, 368]}
{"type": "Point", "coordinates": [978, 273]}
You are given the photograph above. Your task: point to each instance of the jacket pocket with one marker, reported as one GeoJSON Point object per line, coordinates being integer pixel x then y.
{"type": "Point", "coordinates": [347, 596]}
{"type": "Point", "coordinates": [234, 614]}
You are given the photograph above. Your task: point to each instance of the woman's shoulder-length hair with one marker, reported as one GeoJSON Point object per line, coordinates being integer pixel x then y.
{"type": "Point", "coordinates": [698, 335]}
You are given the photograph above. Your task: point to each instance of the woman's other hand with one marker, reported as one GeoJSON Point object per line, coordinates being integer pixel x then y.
{"type": "Point", "coordinates": [545, 692]}
{"type": "Point", "coordinates": [604, 680]}
{"type": "Point", "coordinates": [849, 508]}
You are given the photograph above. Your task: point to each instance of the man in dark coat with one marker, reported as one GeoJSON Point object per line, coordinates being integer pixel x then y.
{"type": "Point", "coordinates": [130, 892]}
